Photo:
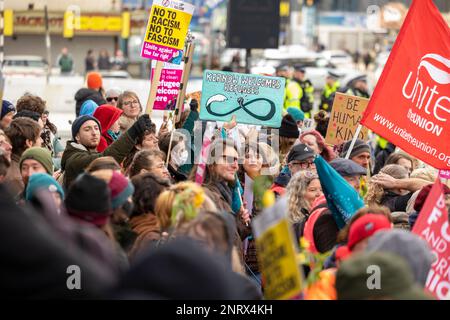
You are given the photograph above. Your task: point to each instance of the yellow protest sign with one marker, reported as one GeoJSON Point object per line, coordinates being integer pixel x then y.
{"type": "Point", "coordinates": [344, 119]}
{"type": "Point", "coordinates": [167, 28]}
{"type": "Point", "coordinates": [282, 278]}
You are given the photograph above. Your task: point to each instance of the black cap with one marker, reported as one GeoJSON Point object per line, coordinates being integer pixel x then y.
{"type": "Point", "coordinates": [300, 152]}
{"type": "Point", "coordinates": [282, 67]}
{"type": "Point", "coordinates": [347, 168]}
{"type": "Point", "coordinates": [300, 68]}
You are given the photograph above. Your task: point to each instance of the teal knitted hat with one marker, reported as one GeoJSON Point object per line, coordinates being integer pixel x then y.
{"type": "Point", "coordinates": [296, 113]}
{"type": "Point", "coordinates": [43, 181]}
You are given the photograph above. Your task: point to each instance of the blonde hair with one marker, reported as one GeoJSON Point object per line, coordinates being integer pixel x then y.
{"type": "Point", "coordinates": [375, 192]}
{"type": "Point", "coordinates": [194, 194]}
{"type": "Point", "coordinates": [296, 190]}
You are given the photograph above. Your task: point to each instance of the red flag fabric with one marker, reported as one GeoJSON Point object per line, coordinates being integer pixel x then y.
{"type": "Point", "coordinates": [410, 105]}
{"type": "Point", "coordinates": [433, 225]}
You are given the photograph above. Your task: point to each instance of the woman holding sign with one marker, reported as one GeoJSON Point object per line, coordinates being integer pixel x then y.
{"type": "Point", "coordinates": [221, 185]}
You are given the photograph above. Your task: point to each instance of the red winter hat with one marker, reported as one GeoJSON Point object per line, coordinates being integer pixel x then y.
{"type": "Point", "coordinates": [94, 80]}
{"type": "Point", "coordinates": [342, 253]}
{"type": "Point", "coordinates": [423, 194]}
{"type": "Point", "coordinates": [107, 115]}
{"type": "Point", "coordinates": [366, 226]}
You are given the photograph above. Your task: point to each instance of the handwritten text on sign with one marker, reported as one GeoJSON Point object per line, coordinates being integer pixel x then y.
{"type": "Point", "coordinates": [344, 119]}
{"type": "Point", "coordinates": [166, 30]}
{"type": "Point", "coordinates": [252, 98]}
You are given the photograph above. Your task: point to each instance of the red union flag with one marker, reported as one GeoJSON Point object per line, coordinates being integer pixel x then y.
{"type": "Point", "coordinates": [432, 225]}
{"type": "Point", "coordinates": [410, 105]}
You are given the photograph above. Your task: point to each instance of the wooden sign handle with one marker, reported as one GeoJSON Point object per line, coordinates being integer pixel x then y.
{"type": "Point", "coordinates": [352, 144]}
{"type": "Point", "coordinates": [184, 80]}
{"type": "Point", "coordinates": [154, 87]}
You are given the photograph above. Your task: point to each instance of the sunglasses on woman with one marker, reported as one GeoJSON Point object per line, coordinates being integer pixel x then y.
{"type": "Point", "coordinates": [110, 99]}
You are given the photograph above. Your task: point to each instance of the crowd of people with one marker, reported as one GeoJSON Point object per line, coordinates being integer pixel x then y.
{"type": "Point", "coordinates": [104, 62]}
{"type": "Point", "coordinates": [121, 201]}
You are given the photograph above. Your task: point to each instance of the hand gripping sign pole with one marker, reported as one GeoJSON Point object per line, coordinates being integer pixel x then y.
{"type": "Point", "coordinates": [189, 52]}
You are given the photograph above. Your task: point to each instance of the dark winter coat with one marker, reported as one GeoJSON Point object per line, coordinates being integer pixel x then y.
{"type": "Point", "coordinates": [76, 157]}
{"type": "Point", "coordinates": [221, 195]}
{"type": "Point", "coordinates": [35, 260]}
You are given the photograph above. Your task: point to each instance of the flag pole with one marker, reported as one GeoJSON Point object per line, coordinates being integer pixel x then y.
{"type": "Point", "coordinates": [349, 151]}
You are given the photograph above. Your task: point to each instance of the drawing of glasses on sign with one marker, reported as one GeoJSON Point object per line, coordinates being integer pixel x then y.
{"type": "Point", "coordinates": [261, 104]}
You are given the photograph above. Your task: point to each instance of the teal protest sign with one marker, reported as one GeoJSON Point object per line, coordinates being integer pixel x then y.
{"type": "Point", "coordinates": [252, 98]}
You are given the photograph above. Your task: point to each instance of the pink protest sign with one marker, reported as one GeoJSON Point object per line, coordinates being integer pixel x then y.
{"type": "Point", "coordinates": [167, 28]}
{"type": "Point", "coordinates": [444, 174]}
{"type": "Point", "coordinates": [168, 87]}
